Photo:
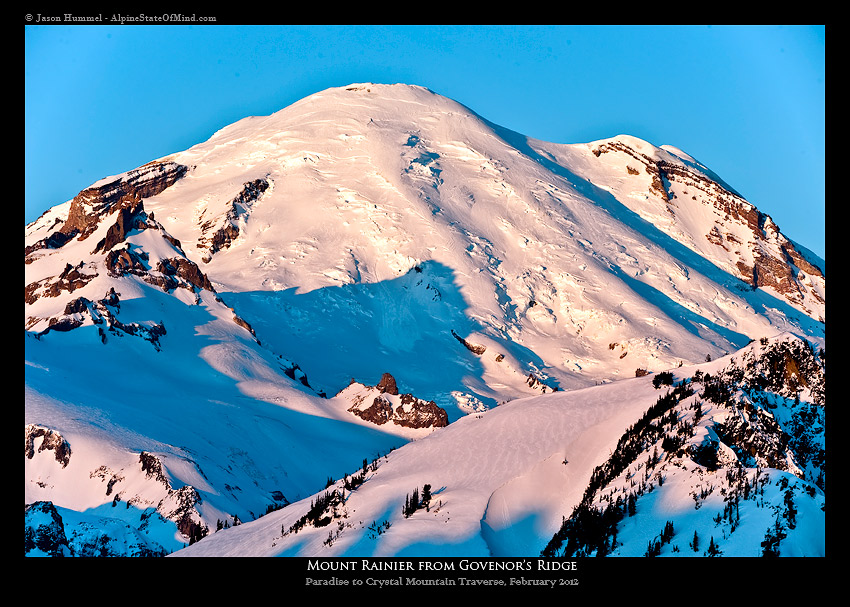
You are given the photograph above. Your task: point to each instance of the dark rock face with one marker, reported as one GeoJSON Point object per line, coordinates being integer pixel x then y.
{"type": "Point", "coordinates": [152, 468]}
{"type": "Point", "coordinates": [379, 412]}
{"type": "Point", "coordinates": [223, 236]}
{"type": "Point", "coordinates": [104, 314]}
{"type": "Point", "coordinates": [474, 348]}
{"type": "Point", "coordinates": [71, 279]}
{"type": "Point", "coordinates": [779, 273]}
{"type": "Point", "coordinates": [124, 194]}
{"type": "Point", "coordinates": [54, 241]}
{"type": "Point", "coordinates": [187, 270]}
{"type": "Point", "coordinates": [183, 501]}
{"type": "Point", "coordinates": [387, 384]}
{"type": "Point", "coordinates": [408, 412]}
{"type": "Point", "coordinates": [422, 414]}
{"type": "Point", "coordinates": [125, 191]}
{"type": "Point", "coordinates": [125, 261]}
{"type": "Point", "coordinates": [52, 441]}
{"type": "Point", "coordinates": [129, 217]}
{"type": "Point", "coordinates": [45, 534]}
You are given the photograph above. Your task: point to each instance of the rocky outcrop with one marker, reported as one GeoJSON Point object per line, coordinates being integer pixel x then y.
{"type": "Point", "coordinates": [46, 534]}
{"type": "Point", "coordinates": [103, 313]}
{"type": "Point", "coordinates": [124, 194]}
{"type": "Point", "coordinates": [69, 280]}
{"type": "Point", "coordinates": [474, 348]}
{"type": "Point", "coordinates": [51, 441]}
{"type": "Point", "coordinates": [536, 383]}
{"type": "Point", "coordinates": [378, 413]}
{"type": "Point", "coordinates": [179, 505]}
{"type": "Point", "coordinates": [386, 405]}
{"type": "Point", "coordinates": [222, 236]}
{"type": "Point", "coordinates": [387, 384]}
{"type": "Point", "coordinates": [126, 190]}
{"type": "Point", "coordinates": [128, 218]}
{"type": "Point", "coordinates": [780, 274]}
{"type": "Point", "coordinates": [126, 260]}
{"type": "Point", "coordinates": [54, 241]}
{"type": "Point", "coordinates": [183, 272]}
{"type": "Point", "coordinates": [777, 264]}
{"type": "Point", "coordinates": [153, 469]}
{"type": "Point", "coordinates": [416, 413]}
{"type": "Point", "coordinates": [169, 274]}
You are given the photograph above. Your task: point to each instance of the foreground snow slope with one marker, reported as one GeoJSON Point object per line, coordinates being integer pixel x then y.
{"type": "Point", "coordinates": [476, 468]}
{"type": "Point", "coordinates": [502, 482]}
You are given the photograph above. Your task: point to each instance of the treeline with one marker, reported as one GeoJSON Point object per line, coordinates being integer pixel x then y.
{"type": "Point", "coordinates": [593, 530]}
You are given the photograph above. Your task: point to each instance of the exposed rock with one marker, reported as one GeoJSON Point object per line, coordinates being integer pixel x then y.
{"type": "Point", "coordinates": [69, 280]}
{"type": "Point", "coordinates": [536, 383]}
{"type": "Point", "coordinates": [185, 514]}
{"type": "Point", "coordinates": [387, 384]}
{"type": "Point", "coordinates": [179, 505]}
{"type": "Point", "coordinates": [152, 467]}
{"type": "Point", "coordinates": [78, 310]}
{"type": "Point", "coordinates": [222, 237]}
{"type": "Point", "coordinates": [400, 409]}
{"type": "Point", "coordinates": [54, 241]}
{"type": "Point", "coordinates": [125, 190]}
{"type": "Point", "coordinates": [778, 272]}
{"type": "Point", "coordinates": [416, 413]}
{"type": "Point", "coordinates": [184, 269]}
{"type": "Point", "coordinates": [474, 348]}
{"type": "Point", "coordinates": [244, 324]}
{"type": "Point", "coordinates": [125, 261]}
{"type": "Point", "coordinates": [151, 333]}
{"type": "Point", "coordinates": [128, 218]}
{"type": "Point", "coordinates": [110, 477]}
{"type": "Point", "coordinates": [51, 441]}
{"type": "Point", "coordinates": [293, 371]}
{"type": "Point", "coordinates": [379, 412]}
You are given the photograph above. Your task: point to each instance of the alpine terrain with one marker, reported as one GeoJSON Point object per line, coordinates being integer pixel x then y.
{"type": "Point", "coordinates": [376, 324]}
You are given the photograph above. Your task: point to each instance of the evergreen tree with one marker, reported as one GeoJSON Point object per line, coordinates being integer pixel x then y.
{"type": "Point", "coordinates": [713, 550]}
{"type": "Point", "coordinates": [426, 495]}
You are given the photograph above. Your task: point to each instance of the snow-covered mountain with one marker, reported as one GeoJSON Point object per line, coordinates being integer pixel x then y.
{"type": "Point", "coordinates": [376, 283]}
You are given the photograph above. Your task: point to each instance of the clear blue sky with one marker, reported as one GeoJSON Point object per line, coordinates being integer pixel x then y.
{"type": "Point", "coordinates": [747, 101]}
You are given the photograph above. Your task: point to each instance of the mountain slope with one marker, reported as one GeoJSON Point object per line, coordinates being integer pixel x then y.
{"type": "Point", "coordinates": [368, 182]}
{"type": "Point", "coordinates": [705, 448]}
{"type": "Point", "coordinates": [209, 333]}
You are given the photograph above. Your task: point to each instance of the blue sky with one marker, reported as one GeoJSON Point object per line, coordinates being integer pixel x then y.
{"type": "Point", "coordinates": [747, 101]}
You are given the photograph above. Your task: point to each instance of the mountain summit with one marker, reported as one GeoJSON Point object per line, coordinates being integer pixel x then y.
{"type": "Point", "coordinates": [204, 329]}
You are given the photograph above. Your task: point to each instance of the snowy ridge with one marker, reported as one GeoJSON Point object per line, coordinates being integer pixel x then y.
{"type": "Point", "coordinates": [231, 312]}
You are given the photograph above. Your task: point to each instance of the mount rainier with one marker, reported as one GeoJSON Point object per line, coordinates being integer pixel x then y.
{"type": "Point", "coordinates": [376, 324]}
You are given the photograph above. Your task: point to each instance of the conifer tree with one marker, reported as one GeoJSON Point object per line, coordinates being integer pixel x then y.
{"type": "Point", "coordinates": [713, 550]}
